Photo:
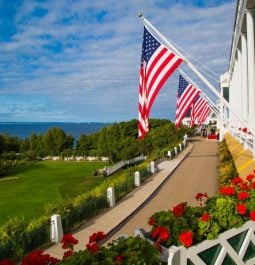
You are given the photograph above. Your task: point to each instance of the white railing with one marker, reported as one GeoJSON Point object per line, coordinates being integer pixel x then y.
{"type": "Point", "coordinates": [246, 138]}
{"type": "Point", "coordinates": [114, 168]}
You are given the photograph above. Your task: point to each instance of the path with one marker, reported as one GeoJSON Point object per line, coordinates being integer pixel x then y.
{"type": "Point", "coordinates": [197, 173]}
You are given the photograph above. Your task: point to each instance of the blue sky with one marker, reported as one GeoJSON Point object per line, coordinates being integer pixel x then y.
{"type": "Point", "coordinates": [78, 60]}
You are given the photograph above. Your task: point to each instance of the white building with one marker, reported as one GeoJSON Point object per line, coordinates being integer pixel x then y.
{"type": "Point", "coordinates": [238, 84]}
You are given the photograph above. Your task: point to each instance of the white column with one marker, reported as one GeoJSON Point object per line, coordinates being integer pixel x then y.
{"type": "Point", "coordinates": [232, 92]}
{"type": "Point", "coordinates": [152, 167]}
{"type": "Point", "coordinates": [111, 196]}
{"type": "Point", "coordinates": [251, 67]}
{"type": "Point", "coordinates": [222, 131]}
{"type": "Point", "coordinates": [56, 228]}
{"type": "Point", "coordinates": [239, 88]}
{"type": "Point", "coordinates": [137, 179]}
{"type": "Point", "coordinates": [245, 99]}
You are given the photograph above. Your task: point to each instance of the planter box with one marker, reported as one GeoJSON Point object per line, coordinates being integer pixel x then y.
{"type": "Point", "coordinates": [233, 247]}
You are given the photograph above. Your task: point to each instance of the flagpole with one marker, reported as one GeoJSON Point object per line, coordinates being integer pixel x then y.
{"type": "Point", "coordinates": [193, 68]}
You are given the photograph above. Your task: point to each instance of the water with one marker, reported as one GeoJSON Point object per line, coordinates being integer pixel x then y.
{"type": "Point", "coordinates": [25, 129]}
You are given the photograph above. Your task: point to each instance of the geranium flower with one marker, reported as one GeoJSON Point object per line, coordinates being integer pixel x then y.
{"type": "Point", "coordinates": [151, 221]}
{"type": "Point", "coordinates": [200, 196]}
{"type": "Point", "coordinates": [236, 180]}
{"type": "Point", "coordinates": [178, 210]}
{"type": "Point", "coordinates": [160, 232]}
{"type": "Point", "coordinates": [241, 208]}
{"type": "Point", "coordinates": [96, 237]}
{"type": "Point", "coordinates": [119, 259]}
{"type": "Point", "coordinates": [228, 190]}
{"type": "Point", "coordinates": [186, 238]}
{"type": "Point", "coordinates": [93, 247]}
{"type": "Point", "coordinates": [205, 217]}
{"type": "Point", "coordinates": [68, 241]}
{"type": "Point", "coordinates": [252, 215]}
{"type": "Point", "coordinates": [243, 195]}
{"type": "Point", "coordinates": [244, 186]}
{"type": "Point", "coordinates": [68, 253]}
{"type": "Point", "coordinates": [6, 262]}
{"type": "Point", "coordinates": [39, 258]}
{"type": "Point", "coordinates": [250, 177]}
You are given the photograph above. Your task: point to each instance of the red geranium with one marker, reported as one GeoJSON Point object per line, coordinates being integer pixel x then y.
{"type": "Point", "coordinates": [228, 190]}
{"type": "Point", "coordinates": [39, 258]}
{"type": "Point", "coordinates": [93, 247]}
{"type": "Point", "coordinates": [68, 253]}
{"type": "Point", "coordinates": [119, 259]}
{"type": "Point", "coordinates": [236, 180]}
{"type": "Point", "coordinates": [151, 221]}
{"type": "Point", "coordinates": [241, 208]}
{"type": "Point", "coordinates": [161, 233]}
{"type": "Point", "coordinates": [252, 215]}
{"type": "Point", "coordinates": [244, 186]}
{"type": "Point", "coordinates": [178, 210]}
{"type": "Point", "coordinates": [250, 177]}
{"type": "Point", "coordinates": [200, 196]}
{"type": "Point", "coordinates": [96, 237]}
{"type": "Point", "coordinates": [6, 262]}
{"type": "Point", "coordinates": [68, 241]}
{"type": "Point", "coordinates": [205, 217]}
{"type": "Point", "coordinates": [243, 195]}
{"type": "Point", "coordinates": [186, 238]}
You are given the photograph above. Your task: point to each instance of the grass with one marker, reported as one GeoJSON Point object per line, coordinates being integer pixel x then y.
{"type": "Point", "coordinates": [44, 182]}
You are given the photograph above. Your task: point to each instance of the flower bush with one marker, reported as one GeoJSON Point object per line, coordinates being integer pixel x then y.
{"type": "Point", "coordinates": [186, 225]}
{"type": "Point", "coordinates": [131, 250]}
{"type": "Point", "coordinates": [227, 168]}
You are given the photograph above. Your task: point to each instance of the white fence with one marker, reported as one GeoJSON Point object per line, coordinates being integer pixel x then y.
{"type": "Point", "coordinates": [112, 169]}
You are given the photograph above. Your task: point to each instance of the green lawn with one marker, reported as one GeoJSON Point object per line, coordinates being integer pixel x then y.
{"type": "Point", "coordinates": [44, 182]}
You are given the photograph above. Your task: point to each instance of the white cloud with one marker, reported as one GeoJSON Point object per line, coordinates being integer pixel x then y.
{"type": "Point", "coordinates": [88, 65]}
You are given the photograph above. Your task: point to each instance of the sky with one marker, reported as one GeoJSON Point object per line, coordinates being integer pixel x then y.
{"type": "Point", "coordinates": [79, 60]}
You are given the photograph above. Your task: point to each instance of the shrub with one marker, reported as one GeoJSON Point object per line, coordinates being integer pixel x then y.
{"type": "Point", "coordinates": [227, 168]}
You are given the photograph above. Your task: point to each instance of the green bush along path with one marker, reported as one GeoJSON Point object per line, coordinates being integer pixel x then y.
{"type": "Point", "coordinates": [42, 183]}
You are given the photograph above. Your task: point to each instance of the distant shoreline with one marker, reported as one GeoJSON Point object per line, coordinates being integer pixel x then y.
{"type": "Point", "coordinates": [25, 129]}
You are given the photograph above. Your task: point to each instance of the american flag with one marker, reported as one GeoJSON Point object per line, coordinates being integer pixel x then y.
{"type": "Point", "coordinates": [197, 109]}
{"type": "Point", "coordinates": [204, 114]}
{"type": "Point", "coordinates": [157, 64]}
{"type": "Point", "coordinates": [187, 93]}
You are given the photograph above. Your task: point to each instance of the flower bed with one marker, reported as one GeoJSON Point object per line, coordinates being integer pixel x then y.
{"type": "Point", "coordinates": [187, 225]}
{"type": "Point", "coordinates": [227, 168]}
{"type": "Point", "coordinates": [129, 250]}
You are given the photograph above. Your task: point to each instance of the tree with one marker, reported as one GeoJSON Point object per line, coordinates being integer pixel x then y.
{"type": "Point", "coordinates": [84, 145]}
{"type": "Point", "coordinates": [54, 141]}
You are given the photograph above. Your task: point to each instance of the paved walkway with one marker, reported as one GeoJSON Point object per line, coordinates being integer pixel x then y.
{"type": "Point", "coordinates": [171, 185]}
